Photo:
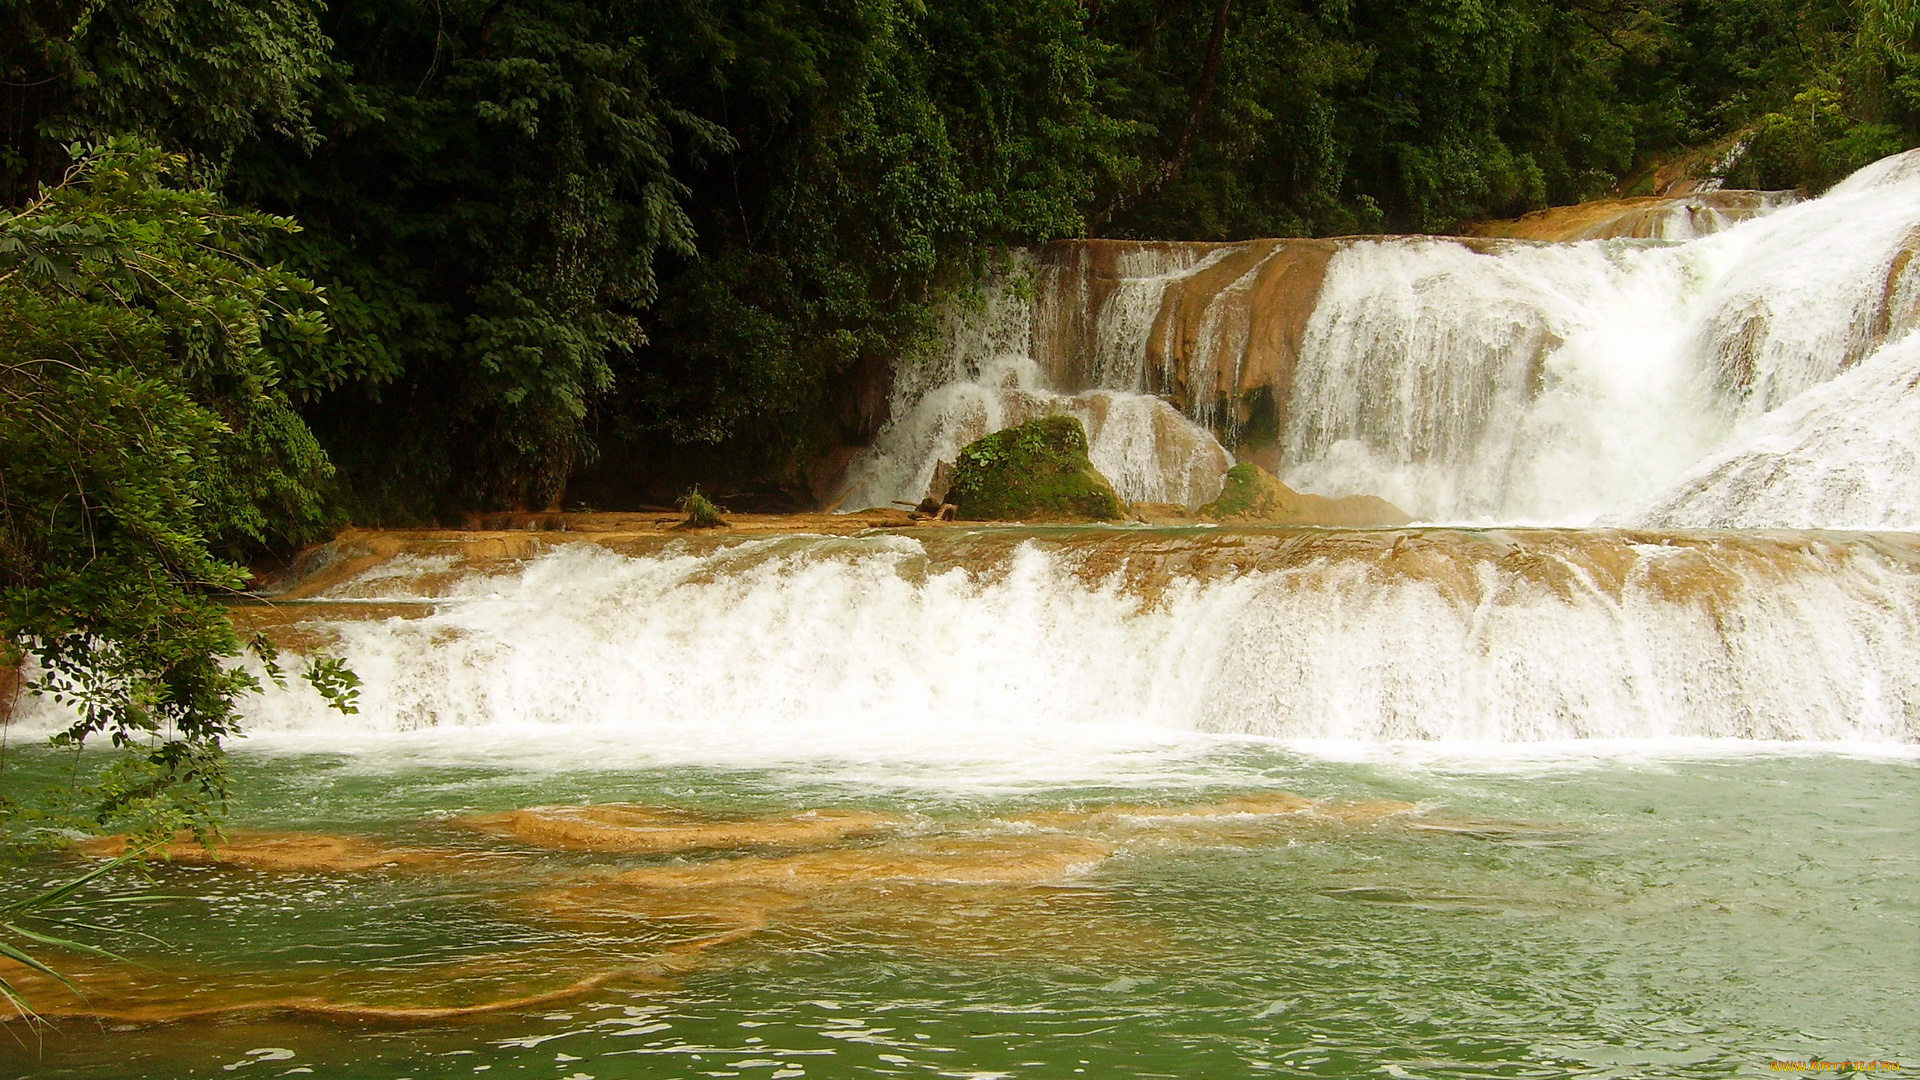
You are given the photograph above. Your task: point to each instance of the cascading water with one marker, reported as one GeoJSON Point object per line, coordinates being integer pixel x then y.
{"type": "Point", "coordinates": [1842, 455]}
{"type": "Point", "coordinates": [1470, 381]}
{"type": "Point", "coordinates": [1147, 449]}
{"type": "Point", "coordinates": [1535, 383]}
{"type": "Point", "coordinates": [985, 379]}
{"type": "Point", "coordinates": [1763, 377]}
{"type": "Point", "coordinates": [963, 639]}
{"type": "Point", "coordinates": [970, 800]}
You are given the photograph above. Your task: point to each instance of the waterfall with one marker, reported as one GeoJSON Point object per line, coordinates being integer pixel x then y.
{"type": "Point", "coordinates": [1527, 383]}
{"type": "Point", "coordinates": [1464, 380]}
{"type": "Point", "coordinates": [1559, 383]}
{"type": "Point", "coordinates": [986, 378]}
{"type": "Point", "coordinates": [1843, 455]}
{"type": "Point", "coordinates": [815, 645]}
{"type": "Point", "coordinates": [1764, 378]}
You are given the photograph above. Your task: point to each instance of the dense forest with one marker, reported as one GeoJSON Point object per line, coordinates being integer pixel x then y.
{"type": "Point", "coordinates": [267, 266]}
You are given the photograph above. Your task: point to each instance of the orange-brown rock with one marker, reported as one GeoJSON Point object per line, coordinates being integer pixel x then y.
{"type": "Point", "coordinates": [1226, 330]}
{"type": "Point", "coordinates": [1253, 495]}
{"type": "Point", "coordinates": [124, 993]}
{"type": "Point", "coordinates": [278, 852]}
{"type": "Point", "coordinates": [971, 896]}
{"type": "Point", "coordinates": [631, 828]}
{"type": "Point", "coordinates": [329, 570]}
{"type": "Point", "coordinates": [1002, 860]}
{"type": "Point", "coordinates": [11, 686]}
{"type": "Point", "coordinates": [1703, 567]}
{"type": "Point", "coordinates": [1679, 216]}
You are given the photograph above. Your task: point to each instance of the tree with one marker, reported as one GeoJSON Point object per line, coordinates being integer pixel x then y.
{"type": "Point", "coordinates": [485, 208]}
{"type": "Point", "coordinates": [192, 76]}
{"type": "Point", "coordinates": [145, 440]}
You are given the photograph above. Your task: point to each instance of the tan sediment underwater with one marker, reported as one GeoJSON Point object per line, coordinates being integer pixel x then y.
{"type": "Point", "coordinates": [1018, 885]}
{"type": "Point", "coordinates": [621, 827]}
{"type": "Point", "coordinates": [149, 995]}
{"type": "Point", "coordinates": [283, 852]}
{"type": "Point", "coordinates": [970, 897]}
{"type": "Point", "coordinates": [1297, 808]}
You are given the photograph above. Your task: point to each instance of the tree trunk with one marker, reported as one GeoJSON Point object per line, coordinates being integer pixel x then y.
{"type": "Point", "coordinates": [1202, 90]}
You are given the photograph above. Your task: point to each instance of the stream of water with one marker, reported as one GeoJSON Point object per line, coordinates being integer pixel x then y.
{"type": "Point", "coordinates": [1635, 795]}
{"type": "Point", "coordinates": [1676, 910]}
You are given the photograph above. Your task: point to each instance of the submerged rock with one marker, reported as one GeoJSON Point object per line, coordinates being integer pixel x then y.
{"type": "Point", "coordinates": [147, 994]}
{"type": "Point", "coordinates": [298, 853]}
{"type": "Point", "coordinates": [631, 828]}
{"type": "Point", "coordinates": [1000, 860]}
{"type": "Point", "coordinates": [1036, 471]}
{"type": "Point", "coordinates": [1253, 494]}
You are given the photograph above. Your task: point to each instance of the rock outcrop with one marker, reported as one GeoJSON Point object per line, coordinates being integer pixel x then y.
{"type": "Point", "coordinates": [1256, 496]}
{"type": "Point", "coordinates": [1683, 217]}
{"type": "Point", "coordinates": [1222, 323]}
{"type": "Point", "coordinates": [1036, 471]}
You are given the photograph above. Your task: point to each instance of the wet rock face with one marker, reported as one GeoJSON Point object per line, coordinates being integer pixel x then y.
{"type": "Point", "coordinates": [1671, 217]}
{"type": "Point", "coordinates": [1214, 328]}
{"type": "Point", "coordinates": [1036, 471]}
{"type": "Point", "coordinates": [1252, 494]}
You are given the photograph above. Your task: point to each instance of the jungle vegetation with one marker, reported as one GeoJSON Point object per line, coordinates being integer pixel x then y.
{"type": "Point", "coordinates": [271, 265]}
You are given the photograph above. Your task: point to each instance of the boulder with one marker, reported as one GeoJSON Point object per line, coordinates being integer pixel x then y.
{"type": "Point", "coordinates": [1254, 495]}
{"type": "Point", "coordinates": [1036, 471]}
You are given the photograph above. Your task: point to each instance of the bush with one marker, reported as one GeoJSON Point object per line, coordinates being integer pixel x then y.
{"type": "Point", "coordinates": [701, 512]}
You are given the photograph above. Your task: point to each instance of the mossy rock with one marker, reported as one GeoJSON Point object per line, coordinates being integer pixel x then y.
{"type": "Point", "coordinates": [1037, 471]}
{"type": "Point", "coordinates": [1254, 495]}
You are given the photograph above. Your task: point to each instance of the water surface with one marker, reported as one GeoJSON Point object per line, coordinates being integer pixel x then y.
{"type": "Point", "coordinates": [1612, 909]}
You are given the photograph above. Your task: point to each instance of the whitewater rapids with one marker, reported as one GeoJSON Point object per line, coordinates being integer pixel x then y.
{"type": "Point", "coordinates": [1627, 381]}
{"type": "Point", "coordinates": [965, 641]}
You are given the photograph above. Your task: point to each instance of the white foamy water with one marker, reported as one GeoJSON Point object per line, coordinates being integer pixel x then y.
{"type": "Point", "coordinates": [1497, 382]}
{"type": "Point", "coordinates": [1143, 445]}
{"type": "Point", "coordinates": [1538, 384]}
{"type": "Point", "coordinates": [884, 648]}
{"type": "Point", "coordinates": [1558, 383]}
{"type": "Point", "coordinates": [1844, 454]}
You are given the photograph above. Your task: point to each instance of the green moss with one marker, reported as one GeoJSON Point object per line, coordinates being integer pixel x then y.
{"type": "Point", "coordinates": [1244, 493]}
{"type": "Point", "coordinates": [1252, 494]}
{"type": "Point", "coordinates": [1036, 471]}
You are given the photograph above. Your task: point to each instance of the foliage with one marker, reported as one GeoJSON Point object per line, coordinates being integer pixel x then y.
{"type": "Point", "coordinates": [196, 76]}
{"type": "Point", "coordinates": [700, 510]}
{"type": "Point", "coordinates": [486, 209]}
{"type": "Point", "coordinates": [144, 441]}
{"type": "Point", "coordinates": [688, 229]}
{"type": "Point", "coordinates": [1861, 104]}
{"type": "Point", "coordinates": [1033, 471]}
{"type": "Point", "coordinates": [881, 148]}
{"type": "Point", "coordinates": [721, 207]}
